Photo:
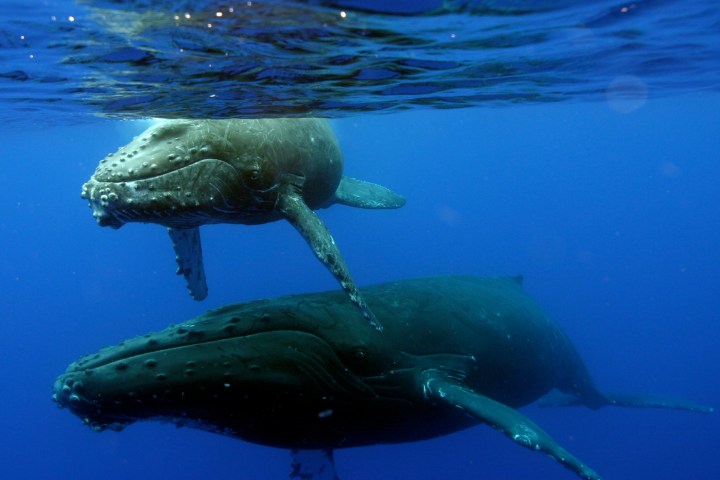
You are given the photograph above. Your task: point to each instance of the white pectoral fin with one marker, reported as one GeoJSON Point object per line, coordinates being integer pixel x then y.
{"type": "Point", "coordinates": [441, 388]}
{"type": "Point", "coordinates": [293, 208]}
{"type": "Point", "coordinates": [313, 464]}
{"type": "Point", "coordinates": [188, 254]}
{"type": "Point", "coordinates": [362, 194]}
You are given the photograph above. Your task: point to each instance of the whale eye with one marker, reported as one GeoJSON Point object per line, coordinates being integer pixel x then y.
{"type": "Point", "coordinates": [360, 353]}
{"type": "Point", "coordinates": [258, 178]}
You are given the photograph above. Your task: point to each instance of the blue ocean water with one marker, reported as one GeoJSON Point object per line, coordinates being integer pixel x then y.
{"type": "Point", "coordinates": [593, 173]}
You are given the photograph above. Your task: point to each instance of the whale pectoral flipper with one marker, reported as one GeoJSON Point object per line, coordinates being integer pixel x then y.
{"type": "Point", "coordinates": [442, 388]}
{"type": "Point", "coordinates": [188, 254]}
{"type": "Point", "coordinates": [313, 464]}
{"type": "Point", "coordinates": [362, 194]}
{"type": "Point", "coordinates": [293, 208]}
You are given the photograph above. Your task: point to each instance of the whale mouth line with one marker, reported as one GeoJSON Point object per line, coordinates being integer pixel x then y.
{"type": "Point", "coordinates": [151, 176]}
{"type": "Point", "coordinates": [94, 388]}
{"type": "Point", "coordinates": [189, 338]}
{"type": "Point", "coordinates": [184, 197]}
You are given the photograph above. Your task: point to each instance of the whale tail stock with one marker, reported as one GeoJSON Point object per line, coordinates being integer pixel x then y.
{"type": "Point", "coordinates": [624, 400]}
{"type": "Point", "coordinates": [577, 388]}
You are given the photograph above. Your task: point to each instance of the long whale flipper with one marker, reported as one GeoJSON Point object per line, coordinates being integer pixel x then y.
{"type": "Point", "coordinates": [188, 254]}
{"type": "Point", "coordinates": [313, 465]}
{"type": "Point", "coordinates": [361, 194]}
{"type": "Point", "coordinates": [442, 388]}
{"type": "Point", "coordinates": [313, 230]}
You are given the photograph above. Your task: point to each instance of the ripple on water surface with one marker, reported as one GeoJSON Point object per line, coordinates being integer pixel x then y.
{"type": "Point", "coordinates": [333, 58]}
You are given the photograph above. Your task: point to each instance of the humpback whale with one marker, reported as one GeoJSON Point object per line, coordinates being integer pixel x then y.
{"type": "Point", "coordinates": [186, 173]}
{"type": "Point", "coordinates": [292, 372]}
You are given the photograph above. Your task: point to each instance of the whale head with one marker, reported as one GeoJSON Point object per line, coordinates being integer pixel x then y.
{"type": "Point", "coordinates": [236, 373]}
{"type": "Point", "coordinates": [185, 173]}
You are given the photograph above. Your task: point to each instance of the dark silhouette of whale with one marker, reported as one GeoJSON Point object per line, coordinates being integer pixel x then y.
{"type": "Point", "coordinates": [187, 173]}
{"type": "Point", "coordinates": [293, 372]}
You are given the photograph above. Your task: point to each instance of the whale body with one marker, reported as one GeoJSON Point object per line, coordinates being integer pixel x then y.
{"type": "Point", "coordinates": [186, 173]}
{"type": "Point", "coordinates": [293, 372]}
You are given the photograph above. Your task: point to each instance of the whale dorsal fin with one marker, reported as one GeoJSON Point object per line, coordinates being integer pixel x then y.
{"type": "Point", "coordinates": [362, 194]}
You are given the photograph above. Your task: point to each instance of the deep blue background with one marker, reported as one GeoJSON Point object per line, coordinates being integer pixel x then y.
{"type": "Point", "coordinates": [613, 218]}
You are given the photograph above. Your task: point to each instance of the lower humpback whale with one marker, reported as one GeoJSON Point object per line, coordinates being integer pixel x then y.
{"type": "Point", "coordinates": [291, 372]}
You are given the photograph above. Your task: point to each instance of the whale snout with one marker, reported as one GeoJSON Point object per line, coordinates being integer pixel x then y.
{"type": "Point", "coordinates": [105, 200]}
{"type": "Point", "coordinates": [69, 392]}
{"type": "Point", "coordinates": [65, 391]}
{"type": "Point", "coordinates": [170, 174]}
{"type": "Point", "coordinates": [203, 192]}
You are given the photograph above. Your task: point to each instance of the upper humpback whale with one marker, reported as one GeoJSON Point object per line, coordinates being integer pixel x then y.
{"type": "Point", "coordinates": [187, 173]}
{"type": "Point", "coordinates": [290, 372]}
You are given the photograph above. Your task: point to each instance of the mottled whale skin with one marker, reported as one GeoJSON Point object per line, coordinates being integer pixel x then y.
{"type": "Point", "coordinates": [293, 372]}
{"type": "Point", "coordinates": [186, 173]}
